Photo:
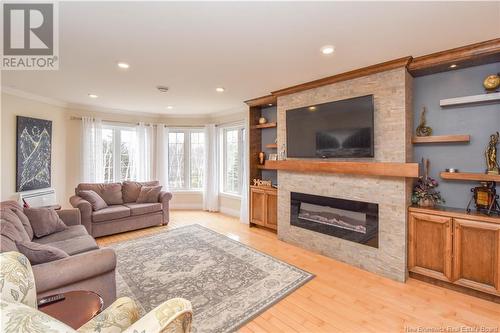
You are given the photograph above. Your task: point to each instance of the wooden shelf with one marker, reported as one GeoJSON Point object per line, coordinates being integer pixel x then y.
{"type": "Point", "coordinates": [272, 146]}
{"type": "Point", "coordinates": [480, 177]}
{"type": "Point", "coordinates": [404, 170]}
{"type": "Point", "coordinates": [441, 139]}
{"type": "Point", "coordinates": [476, 99]}
{"type": "Point", "coordinates": [456, 213]}
{"type": "Point", "coordinates": [268, 125]}
{"type": "Point", "coordinates": [265, 167]}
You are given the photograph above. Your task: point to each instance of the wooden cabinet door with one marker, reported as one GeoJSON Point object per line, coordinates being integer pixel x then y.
{"type": "Point", "coordinates": [272, 210]}
{"type": "Point", "coordinates": [430, 246]}
{"type": "Point", "coordinates": [476, 250]}
{"type": "Point", "coordinates": [258, 207]}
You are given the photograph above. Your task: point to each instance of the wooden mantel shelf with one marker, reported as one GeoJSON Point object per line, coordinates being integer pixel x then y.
{"type": "Point", "coordinates": [480, 177]}
{"type": "Point", "coordinates": [404, 170]}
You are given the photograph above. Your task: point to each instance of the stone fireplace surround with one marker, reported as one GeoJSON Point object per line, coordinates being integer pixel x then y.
{"type": "Point", "coordinates": [393, 128]}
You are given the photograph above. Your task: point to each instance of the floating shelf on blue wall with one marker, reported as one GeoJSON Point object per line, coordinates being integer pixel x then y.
{"type": "Point", "coordinates": [475, 99]}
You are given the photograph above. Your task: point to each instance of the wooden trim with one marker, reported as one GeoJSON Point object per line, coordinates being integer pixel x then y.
{"type": "Point", "coordinates": [409, 170]}
{"type": "Point", "coordinates": [272, 146]}
{"type": "Point", "coordinates": [382, 67]}
{"type": "Point", "coordinates": [456, 213]}
{"type": "Point", "coordinates": [264, 188]}
{"type": "Point", "coordinates": [267, 125]}
{"type": "Point", "coordinates": [465, 56]}
{"type": "Point", "coordinates": [441, 138]}
{"type": "Point", "coordinates": [262, 101]}
{"type": "Point", "coordinates": [480, 177]}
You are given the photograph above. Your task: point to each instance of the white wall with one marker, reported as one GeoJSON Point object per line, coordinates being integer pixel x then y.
{"type": "Point", "coordinates": [66, 136]}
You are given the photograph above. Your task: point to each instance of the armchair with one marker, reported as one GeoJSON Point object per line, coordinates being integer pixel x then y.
{"type": "Point", "coordinates": [20, 313]}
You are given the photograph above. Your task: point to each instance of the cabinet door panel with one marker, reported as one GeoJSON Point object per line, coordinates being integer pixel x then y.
{"type": "Point", "coordinates": [258, 212]}
{"type": "Point", "coordinates": [430, 245]}
{"type": "Point", "coordinates": [476, 255]}
{"type": "Point", "coordinates": [272, 211]}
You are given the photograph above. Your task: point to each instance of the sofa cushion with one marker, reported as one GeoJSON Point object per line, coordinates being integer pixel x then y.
{"type": "Point", "coordinates": [44, 221]}
{"type": "Point", "coordinates": [111, 213]}
{"type": "Point", "coordinates": [9, 216]}
{"type": "Point", "coordinates": [144, 208]}
{"type": "Point", "coordinates": [24, 220]}
{"type": "Point", "coordinates": [76, 245]}
{"type": "Point", "coordinates": [9, 235]}
{"type": "Point", "coordinates": [69, 233]}
{"type": "Point", "coordinates": [131, 189]}
{"type": "Point", "coordinates": [40, 253]}
{"type": "Point", "coordinates": [111, 193]}
{"type": "Point", "coordinates": [93, 198]}
{"type": "Point", "coordinates": [149, 194]}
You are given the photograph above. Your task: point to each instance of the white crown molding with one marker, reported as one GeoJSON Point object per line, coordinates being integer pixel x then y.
{"type": "Point", "coordinates": [33, 97]}
{"type": "Point", "coordinates": [90, 108]}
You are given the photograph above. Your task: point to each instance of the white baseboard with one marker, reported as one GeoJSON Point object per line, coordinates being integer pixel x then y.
{"type": "Point", "coordinates": [230, 212]}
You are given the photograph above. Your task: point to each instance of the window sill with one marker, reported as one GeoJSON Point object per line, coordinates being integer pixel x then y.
{"type": "Point", "coordinates": [186, 191]}
{"type": "Point", "coordinates": [230, 195]}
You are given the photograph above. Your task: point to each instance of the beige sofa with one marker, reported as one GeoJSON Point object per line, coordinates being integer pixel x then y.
{"type": "Point", "coordinates": [86, 268]}
{"type": "Point", "coordinates": [123, 213]}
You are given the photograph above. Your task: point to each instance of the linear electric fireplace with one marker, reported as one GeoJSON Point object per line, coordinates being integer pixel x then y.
{"type": "Point", "coordinates": [355, 221]}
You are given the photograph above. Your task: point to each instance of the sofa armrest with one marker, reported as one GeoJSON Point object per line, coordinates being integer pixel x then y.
{"type": "Point", "coordinates": [115, 318]}
{"type": "Point", "coordinates": [164, 199]}
{"type": "Point", "coordinates": [63, 272]}
{"type": "Point", "coordinates": [174, 315]}
{"type": "Point", "coordinates": [70, 216]}
{"type": "Point", "coordinates": [85, 211]}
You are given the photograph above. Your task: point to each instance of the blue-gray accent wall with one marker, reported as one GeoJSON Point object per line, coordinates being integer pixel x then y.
{"type": "Point", "coordinates": [477, 120]}
{"type": "Point", "coordinates": [269, 137]}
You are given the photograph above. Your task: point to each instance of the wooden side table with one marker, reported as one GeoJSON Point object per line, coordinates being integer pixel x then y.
{"type": "Point", "coordinates": [76, 309]}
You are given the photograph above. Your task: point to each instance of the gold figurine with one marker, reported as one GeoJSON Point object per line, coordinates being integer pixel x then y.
{"type": "Point", "coordinates": [491, 155]}
{"type": "Point", "coordinates": [423, 129]}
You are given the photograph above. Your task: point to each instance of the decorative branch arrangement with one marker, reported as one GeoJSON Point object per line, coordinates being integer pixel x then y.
{"type": "Point", "coordinates": [425, 193]}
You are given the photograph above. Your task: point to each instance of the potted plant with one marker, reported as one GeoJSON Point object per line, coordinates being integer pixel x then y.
{"type": "Point", "coordinates": [424, 192]}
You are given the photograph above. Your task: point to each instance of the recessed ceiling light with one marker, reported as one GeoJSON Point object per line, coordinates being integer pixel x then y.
{"type": "Point", "coordinates": [453, 65]}
{"type": "Point", "coordinates": [327, 49]}
{"type": "Point", "coordinates": [170, 107]}
{"type": "Point", "coordinates": [312, 108]}
{"type": "Point", "coordinates": [93, 96]}
{"type": "Point", "coordinates": [123, 65]}
{"type": "Point", "coordinates": [270, 104]}
{"type": "Point", "coordinates": [220, 89]}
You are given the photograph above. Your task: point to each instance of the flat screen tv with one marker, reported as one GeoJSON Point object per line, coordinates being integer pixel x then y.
{"type": "Point", "coordinates": [336, 129]}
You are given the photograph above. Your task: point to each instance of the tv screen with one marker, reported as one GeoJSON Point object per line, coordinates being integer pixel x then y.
{"type": "Point", "coordinates": [336, 129]}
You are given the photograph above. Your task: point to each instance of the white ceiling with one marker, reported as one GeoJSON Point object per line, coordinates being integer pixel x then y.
{"type": "Point", "coordinates": [248, 48]}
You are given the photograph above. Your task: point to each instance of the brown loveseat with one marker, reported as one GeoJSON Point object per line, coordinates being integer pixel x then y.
{"type": "Point", "coordinates": [123, 213]}
{"type": "Point", "coordinates": [86, 268]}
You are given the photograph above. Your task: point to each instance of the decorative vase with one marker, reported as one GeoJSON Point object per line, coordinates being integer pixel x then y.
{"type": "Point", "coordinates": [262, 157]}
{"type": "Point", "coordinates": [426, 203]}
{"type": "Point", "coordinates": [262, 120]}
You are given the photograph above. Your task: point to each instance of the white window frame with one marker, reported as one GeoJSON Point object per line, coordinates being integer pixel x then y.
{"type": "Point", "coordinates": [116, 148]}
{"type": "Point", "coordinates": [223, 160]}
{"type": "Point", "coordinates": [187, 158]}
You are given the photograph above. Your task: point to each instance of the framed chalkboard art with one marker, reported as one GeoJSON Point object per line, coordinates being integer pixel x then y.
{"type": "Point", "coordinates": [33, 150]}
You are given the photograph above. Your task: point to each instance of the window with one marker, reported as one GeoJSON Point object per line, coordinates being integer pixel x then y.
{"type": "Point", "coordinates": [118, 149]}
{"type": "Point", "coordinates": [186, 155]}
{"type": "Point", "coordinates": [232, 159]}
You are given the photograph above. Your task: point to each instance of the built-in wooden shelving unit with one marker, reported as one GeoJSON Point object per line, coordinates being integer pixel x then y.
{"type": "Point", "coordinates": [405, 170]}
{"type": "Point", "coordinates": [475, 99]}
{"type": "Point", "coordinates": [267, 125]}
{"type": "Point", "coordinates": [480, 177]}
{"type": "Point", "coordinates": [464, 138]}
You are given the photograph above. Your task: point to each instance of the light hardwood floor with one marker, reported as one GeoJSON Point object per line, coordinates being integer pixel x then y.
{"type": "Point", "coordinates": [342, 298]}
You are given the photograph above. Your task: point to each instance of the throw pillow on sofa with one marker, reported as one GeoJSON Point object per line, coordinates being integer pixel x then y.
{"type": "Point", "coordinates": [10, 217]}
{"type": "Point", "coordinates": [149, 194]}
{"type": "Point", "coordinates": [94, 199]}
{"type": "Point", "coordinates": [44, 221]}
{"type": "Point", "coordinates": [131, 189]}
{"type": "Point", "coordinates": [9, 236]}
{"type": "Point", "coordinates": [40, 253]}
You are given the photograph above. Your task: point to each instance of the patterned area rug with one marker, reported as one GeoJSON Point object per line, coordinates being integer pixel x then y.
{"type": "Point", "coordinates": [227, 282]}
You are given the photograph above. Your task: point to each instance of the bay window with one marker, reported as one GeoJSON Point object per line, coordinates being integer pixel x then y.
{"type": "Point", "coordinates": [118, 150]}
{"type": "Point", "coordinates": [186, 155]}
